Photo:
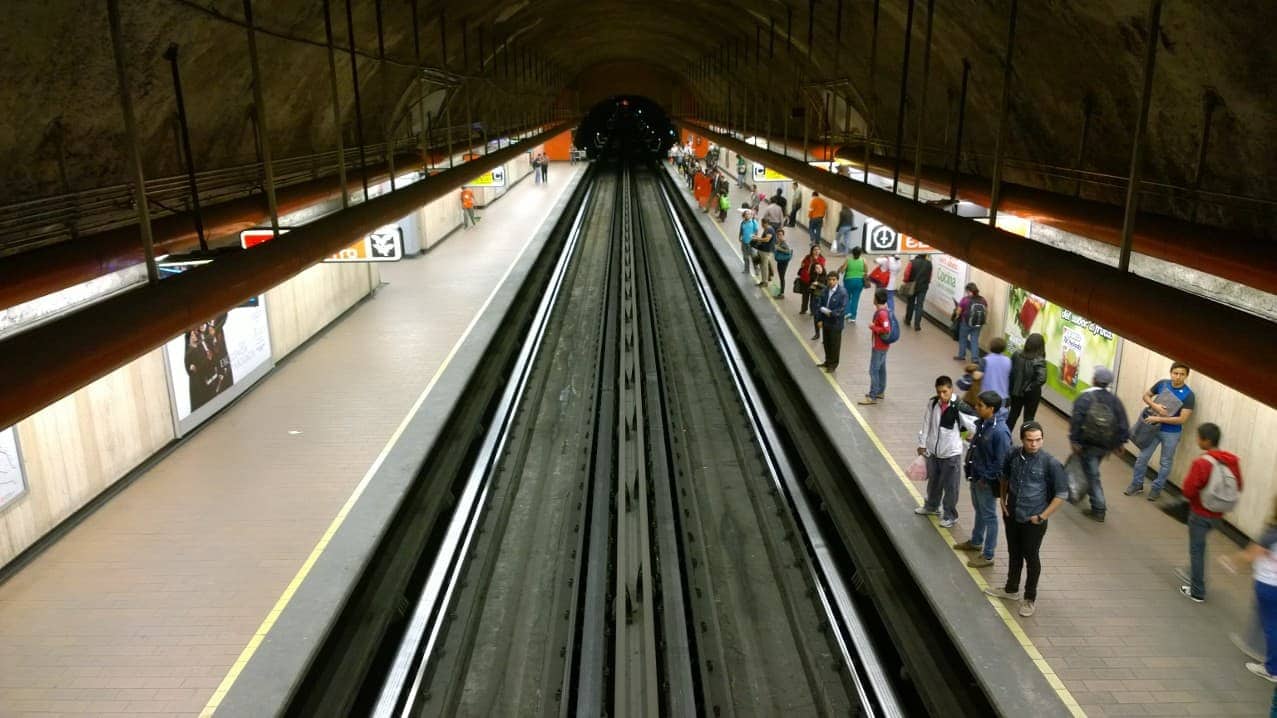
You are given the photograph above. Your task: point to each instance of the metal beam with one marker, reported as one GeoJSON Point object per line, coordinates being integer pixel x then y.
{"type": "Point", "coordinates": [1117, 300]}
{"type": "Point", "coordinates": [1137, 142]}
{"type": "Point", "coordinates": [47, 362]}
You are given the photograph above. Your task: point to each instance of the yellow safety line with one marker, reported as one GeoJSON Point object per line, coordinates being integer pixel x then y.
{"type": "Point", "coordinates": [267, 623]}
{"type": "Point", "coordinates": [998, 606]}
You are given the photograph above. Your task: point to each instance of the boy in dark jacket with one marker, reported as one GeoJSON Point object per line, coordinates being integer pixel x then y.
{"type": "Point", "coordinates": [1097, 410]}
{"type": "Point", "coordinates": [1201, 519]}
{"type": "Point", "coordinates": [985, 458]}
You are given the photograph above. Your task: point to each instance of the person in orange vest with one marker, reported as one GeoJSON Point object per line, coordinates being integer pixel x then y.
{"type": "Point", "coordinates": [468, 218]}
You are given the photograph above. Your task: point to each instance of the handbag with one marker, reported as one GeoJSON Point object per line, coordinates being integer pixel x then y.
{"type": "Point", "coordinates": [1144, 434]}
{"type": "Point", "coordinates": [880, 276]}
{"type": "Point", "coordinates": [906, 290]}
{"type": "Point", "coordinates": [798, 287]}
{"type": "Point", "coordinates": [1079, 484]}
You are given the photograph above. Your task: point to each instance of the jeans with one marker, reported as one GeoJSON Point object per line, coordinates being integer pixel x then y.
{"type": "Point", "coordinates": [1029, 403]}
{"type": "Point", "coordinates": [913, 309]}
{"type": "Point", "coordinates": [943, 476]}
{"type": "Point", "coordinates": [985, 506]}
{"type": "Point", "coordinates": [468, 219]}
{"type": "Point", "coordinates": [1198, 527]}
{"type": "Point", "coordinates": [813, 229]}
{"type": "Point", "coordinates": [1024, 542]}
{"type": "Point", "coordinates": [1091, 458]}
{"type": "Point", "coordinates": [780, 272]}
{"type": "Point", "coordinates": [744, 253]}
{"type": "Point", "coordinates": [854, 288]}
{"type": "Point", "coordinates": [842, 239]}
{"type": "Point", "coordinates": [1168, 440]}
{"type": "Point", "coordinates": [1266, 596]}
{"type": "Point", "coordinates": [969, 340]}
{"type": "Point", "coordinates": [877, 373]}
{"type": "Point", "coordinates": [891, 301]}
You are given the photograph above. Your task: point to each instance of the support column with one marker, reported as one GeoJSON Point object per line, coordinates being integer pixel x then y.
{"type": "Point", "coordinates": [130, 136]}
{"type": "Point", "coordinates": [259, 107]}
{"type": "Point", "coordinates": [1137, 143]}
{"type": "Point", "coordinates": [998, 148]}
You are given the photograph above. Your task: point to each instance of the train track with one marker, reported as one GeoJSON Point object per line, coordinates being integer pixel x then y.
{"type": "Point", "coordinates": [632, 539]}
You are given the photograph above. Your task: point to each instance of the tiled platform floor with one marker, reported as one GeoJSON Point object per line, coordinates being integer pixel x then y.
{"type": "Point", "coordinates": [1110, 620]}
{"type": "Point", "coordinates": [142, 608]}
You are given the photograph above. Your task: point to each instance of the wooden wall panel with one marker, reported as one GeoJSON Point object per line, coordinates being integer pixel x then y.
{"type": "Point", "coordinates": [305, 304]}
{"type": "Point", "coordinates": [77, 447]}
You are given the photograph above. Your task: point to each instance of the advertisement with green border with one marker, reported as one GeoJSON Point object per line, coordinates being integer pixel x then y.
{"type": "Point", "coordinates": [1075, 346]}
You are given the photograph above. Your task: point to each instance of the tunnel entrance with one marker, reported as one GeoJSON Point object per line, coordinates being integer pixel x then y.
{"type": "Point", "coordinates": [626, 126]}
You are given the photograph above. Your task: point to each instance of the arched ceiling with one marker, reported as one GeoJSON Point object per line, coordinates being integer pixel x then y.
{"type": "Point", "coordinates": [63, 130]}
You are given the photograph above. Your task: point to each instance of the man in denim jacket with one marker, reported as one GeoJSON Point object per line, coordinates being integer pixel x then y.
{"type": "Point", "coordinates": [985, 459]}
{"type": "Point", "coordinates": [1034, 486]}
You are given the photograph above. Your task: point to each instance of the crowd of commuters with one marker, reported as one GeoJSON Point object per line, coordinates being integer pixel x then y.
{"type": "Point", "coordinates": [1017, 484]}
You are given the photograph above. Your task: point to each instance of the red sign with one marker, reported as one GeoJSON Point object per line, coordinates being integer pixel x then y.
{"type": "Point", "coordinates": [253, 237]}
{"type": "Point", "coordinates": [909, 245]}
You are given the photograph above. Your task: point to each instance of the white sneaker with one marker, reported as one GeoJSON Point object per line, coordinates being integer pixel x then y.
{"type": "Point", "coordinates": [949, 523]}
{"type": "Point", "coordinates": [1002, 593]}
{"type": "Point", "coordinates": [1259, 670]}
{"type": "Point", "coordinates": [924, 511]}
{"type": "Point", "coordinates": [1027, 608]}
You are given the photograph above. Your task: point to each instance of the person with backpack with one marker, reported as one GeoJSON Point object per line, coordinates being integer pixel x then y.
{"type": "Point", "coordinates": [724, 204]}
{"type": "Point", "coordinates": [1212, 486]}
{"type": "Point", "coordinates": [782, 254]}
{"type": "Point", "coordinates": [988, 453]}
{"type": "Point", "coordinates": [885, 330]}
{"type": "Point", "coordinates": [1097, 427]}
{"type": "Point", "coordinates": [830, 316]}
{"type": "Point", "coordinates": [940, 442]}
{"type": "Point", "coordinates": [972, 313]}
{"type": "Point", "coordinates": [1028, 375]}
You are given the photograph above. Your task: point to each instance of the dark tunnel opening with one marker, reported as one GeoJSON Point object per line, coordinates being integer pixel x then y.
{"type": "Point", "coordinates": [626, 126]}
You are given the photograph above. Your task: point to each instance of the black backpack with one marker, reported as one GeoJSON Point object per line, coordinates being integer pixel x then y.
{"type": "Point", "coordinates": [978, 313]}
{"type": "Point", "coordinates": [1099, 426]}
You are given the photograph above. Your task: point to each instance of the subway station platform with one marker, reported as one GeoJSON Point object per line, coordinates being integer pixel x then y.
{"type": "Point", "coordinates": [145, 606]}
{"type": "Point", "coordinates": [1112, 634]}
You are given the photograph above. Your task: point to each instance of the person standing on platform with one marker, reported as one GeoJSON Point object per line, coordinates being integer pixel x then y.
{"type": "Point", "coordinates": [842, 234]}
{"type": "Point", "coordinates": [832, 308]}
{"type": "Point", "coordinates": [891, 265]}
{"type": "Point", "coordinates": [816, 216]}
{"type": "Point", "coordinates": [773, 213]}
{"type": "Point", "coordinates": [779, 200]}
{"type": "Point", "coordinates": [782, 253]}
{"type": "Point", "coordinates": [997, 369]}
{"type": "Point", "coordinates": [819, 282]}
{"type": "Point", "coordinates": [1170, 402]}
{"type": "Point", "coordinates": [988, 453]}
{"type": "Point", "coordinates": [1028, 374]}
{"type": "Point", "coordinates": [1033, 486]}
{"type": "Point", "coordinates": [766, 246]}
{"type": "Point", "coordinates": [880, 331]}
{"type": "Point", "coordinates": [971, 314]}
{"type": "Point", "coordinates": [920, 275]}
{"type": "Point", "coordinates": [1097, 427]}
{"type": "Point", "coordinates": [1262, 555]}
{"type": "Point", "coordinates": [853, 273]}
{"type": "Point", "coordinates": [747, 234]}
{"type": "Point", "coordinates": [468, 218]}
{"type": "Point", "coordinates": [740, 171]}
{"type": "Point", "coordinates": [1212, 486]}
{"type": "Point", "coordinates": [545, 169]}
{"type": "Point", "coordinates": [806, 276]}
{"type": "Point", "coordinates": [940, 441]}
{"type": "Point", "coordinates": [797, 205]}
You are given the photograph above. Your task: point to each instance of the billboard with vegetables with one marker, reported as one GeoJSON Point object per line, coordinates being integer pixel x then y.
{"type": "Point", "coordinates": [1074, 345]}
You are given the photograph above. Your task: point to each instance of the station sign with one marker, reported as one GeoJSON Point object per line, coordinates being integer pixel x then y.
{"type": "Point", "coordinates": [384, 245]}
{"type": "Point", "coordinates": [879, 238]}
{"type": "Point", "coordinates": [767, 174]}
{"type": "Point", "coordinates": [258, 235]}
{"type": "Point", "coordinates": [493, 178]}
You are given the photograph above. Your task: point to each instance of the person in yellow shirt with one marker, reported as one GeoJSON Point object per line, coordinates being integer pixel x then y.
{"type": "Point", "coordinates": [816, 216]}
{"type": "Point", "coordinates": [468, 218]}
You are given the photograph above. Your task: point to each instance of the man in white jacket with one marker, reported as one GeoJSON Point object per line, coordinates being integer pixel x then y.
{"type": "Point", "coordinates": [940, 441]}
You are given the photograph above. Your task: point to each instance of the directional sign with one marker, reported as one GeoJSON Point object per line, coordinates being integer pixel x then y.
{"type": "Point", "coordinates": [495, 178]}
{"type": "Point", "coordinates": [259, 235]}
{"type": "Point", "coordinates": [881, 239]}
{"type": "Point", "coordinates": [767, 174]}
{"type": "Point", "coordinates": [384, 245]}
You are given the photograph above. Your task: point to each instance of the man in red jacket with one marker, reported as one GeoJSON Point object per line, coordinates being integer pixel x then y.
{"type": "Point", "coordinates": [1201, 519]}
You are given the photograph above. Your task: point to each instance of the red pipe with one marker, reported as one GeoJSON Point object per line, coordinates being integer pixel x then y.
{"type": "Point", "coordinates": [1130, 305]}
{"type": "Point", "coordinates": [49, 361]}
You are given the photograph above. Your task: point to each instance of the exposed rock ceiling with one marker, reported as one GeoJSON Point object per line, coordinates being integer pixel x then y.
{"type": "Point", "coordinates": [60, 87]}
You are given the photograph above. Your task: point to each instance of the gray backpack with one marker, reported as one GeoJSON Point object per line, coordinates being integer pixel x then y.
{"type": "Point", "coordinates": [1220, 493]}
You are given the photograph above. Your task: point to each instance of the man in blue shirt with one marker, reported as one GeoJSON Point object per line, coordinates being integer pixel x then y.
{"type": "Point", "coordinates": [1033, 487]}
{"type": "Point", "coordinates": [748, 231]}
{"type": "Point", "coordinates": [985, 459]}
{"type": "Point", "coordinates": [1174, 390]}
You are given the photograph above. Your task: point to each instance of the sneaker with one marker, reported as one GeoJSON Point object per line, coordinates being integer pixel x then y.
{"type": "Point", "coordinates": [1188, 593]}
{"type": "Point", "coordinates": [1092, 515]}
{"type": "Point", "coordinates": [1027, 608]}
{"type": "Point", "coordinates": [1259, 670]}
{"type": "Point", "coordinates": [923, 510]}
{"type": "Point", "coordinates": [948, 523]}
{"type": "Point", "coordinates": [868, 400]}
{"type": "Point", "coordinates": [1182, 575]}
{"type": "Point", "coordinates": [980, 562]}
{"type": "Point", "coordinates": [1132, 491]}
{"type": "Point", "coordinates": [967, 546]}
{"type": "Point", "coordinates": [1244, 648]}
{"type": "Point", "coordinates": [1002, 593]}
{"type": "Point", "coordinates": [1154, 494]}
{"type": "Point", "coordinates": [960, 358]}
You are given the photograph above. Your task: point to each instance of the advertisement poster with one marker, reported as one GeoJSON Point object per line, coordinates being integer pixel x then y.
{"type": "Point", "coordinates": [13, 482]}
{"type": "Point", "coordinates": [948, 284]}
{"type": "Point", "coordinates": [1074, 345]}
